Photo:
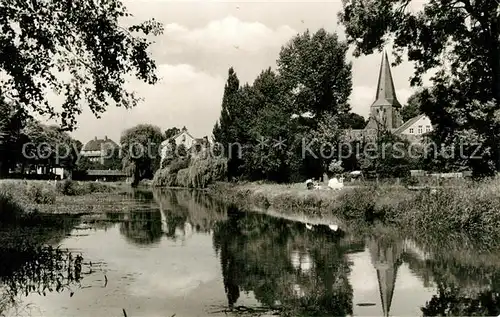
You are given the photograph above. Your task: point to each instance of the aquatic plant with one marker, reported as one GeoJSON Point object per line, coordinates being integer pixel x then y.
{"type": "Point", "coordinates": [27, 269]}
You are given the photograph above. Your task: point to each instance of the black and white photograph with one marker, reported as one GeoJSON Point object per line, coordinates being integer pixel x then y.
{"type": "Point", "coordinates": [210, 158]}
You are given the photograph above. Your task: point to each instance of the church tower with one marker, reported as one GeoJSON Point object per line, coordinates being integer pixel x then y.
{"type": "Point", "coordinates": [385, 110]}
{"type": "Point", "coordinates": [385, 257]}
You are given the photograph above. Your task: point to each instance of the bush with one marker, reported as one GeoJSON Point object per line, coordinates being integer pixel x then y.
{"type": "Point", "coordinates": [410, 181]}
{"type": "Point", "coordinates": [41, 193]}
{"type": "Point", "coordinates": [10, 210]}
{"type": "Point", "coordinates": [163, 178]}
{"type": "Point", "coordinates": [71, 188]}
{"type": "Point", "coordinates": [183, 178]}
{"type": "Point", "coordinates": [203, 172]}
{"type": "Point", "coordinates": [66, 187]}
{"type": "Point", "coordinates": [178, 164]}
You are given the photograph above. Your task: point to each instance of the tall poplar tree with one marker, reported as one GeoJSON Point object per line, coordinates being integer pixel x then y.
{"type": "Point", "coordinates": [225, 131]}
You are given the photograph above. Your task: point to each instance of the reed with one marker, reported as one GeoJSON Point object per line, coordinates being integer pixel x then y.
{"type": "Point", "coordinates": [471, 207]}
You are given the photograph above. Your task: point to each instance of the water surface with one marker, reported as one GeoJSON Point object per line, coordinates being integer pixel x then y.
{"type": "Point", "coordinates": [180, 252]}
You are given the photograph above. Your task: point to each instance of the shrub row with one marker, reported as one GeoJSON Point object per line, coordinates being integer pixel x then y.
{"type": "Point", "coordinates": [195, 173]}
{"type": "Point", "coordinates": [472, 208]}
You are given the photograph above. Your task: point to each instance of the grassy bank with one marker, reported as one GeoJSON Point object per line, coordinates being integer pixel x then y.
{"type": "Point", "coordinates": [21, 199]}
{"type": "Point", "coordinates": [472, 208]}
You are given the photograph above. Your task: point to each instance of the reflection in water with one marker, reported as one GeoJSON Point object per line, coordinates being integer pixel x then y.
{"type": "Point", "coordinates": [185, 213]}
{"type": "Point", "coordinates": [142, 228]}
{"type": "Point", "coordinates": [260, 264]}
{"type": "Point", "coordinates": [286, 267]}
{"type": "Point", "coordinates": [386, 258]}
{"type": "Point", "coordinates": [29, 264]}
{"type": "Point", "coordinates": [296, 269]}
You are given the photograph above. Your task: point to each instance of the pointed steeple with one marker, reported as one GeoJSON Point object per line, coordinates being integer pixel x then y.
{"type": "Point", "coordinates": [385, 110]}
{"type": "Point", "coordinates": [386, 94]}
{"type": "Point", "coordinates": [385, 259]}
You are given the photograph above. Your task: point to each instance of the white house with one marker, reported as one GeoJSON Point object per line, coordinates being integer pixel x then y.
{"type": "Point", "coordinates": [183, 137]}
{"type": "Point", "coordinates": [416, 126]}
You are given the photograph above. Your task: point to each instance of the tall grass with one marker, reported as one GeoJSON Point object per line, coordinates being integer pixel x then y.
{"type": "Point", "coordinates": [469, 207]}
{"type": "Point", "coordinates": [19, 199]}
{"type": "Point", "coordinates": [28, 194]}
{"type": "Point", "coordinates": [72, 188]}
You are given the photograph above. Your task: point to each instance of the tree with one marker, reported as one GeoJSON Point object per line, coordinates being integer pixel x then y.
{"type": "Point", "coordinates": [78, 49]}
{"type": "Point", "coordinates": [11, 138]}
{"type": "Point", "coordinates": [353, 120]}
{"type": "Point", "coordinates": [225, 131]}
{"type": "Point", "coordinates": [171, 132]}
{"type": "Point", "coordinates": [49, 147]}
{"type": "Point", "coordinates": [458, 38]}
{"type": "Point", "coordinates": [140, 151]}
{"type": "Point", "coordinates": [314, 69]}
{"type": "Point", "coordinates": [388, 156]}
{"type": "Point", "coordinates": [412, 107]}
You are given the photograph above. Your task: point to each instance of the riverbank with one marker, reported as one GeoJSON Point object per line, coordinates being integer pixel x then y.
{"type": "Point", "coordinates": [472, 208]}
{"type": "Point", "coordinates": [22, 199]}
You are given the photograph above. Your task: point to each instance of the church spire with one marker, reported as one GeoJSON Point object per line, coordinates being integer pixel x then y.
{"type": "Point", "coordinates": [385, 258]}
{"type": "Point", "coordinates": [385, 110]}
{"type": "Point", "coordinates": [386, 94]}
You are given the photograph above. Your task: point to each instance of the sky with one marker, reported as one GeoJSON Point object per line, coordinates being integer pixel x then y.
{"type": "Point", "coordinates": [202, 39]}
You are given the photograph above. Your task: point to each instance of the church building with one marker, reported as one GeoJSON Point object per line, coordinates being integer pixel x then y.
{"type": "Point", "coordinates": [385, 112]}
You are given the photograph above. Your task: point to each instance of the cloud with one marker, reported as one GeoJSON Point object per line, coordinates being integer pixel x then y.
{"type": "Point", "coordinates": [184, 96]}
{"type": "Point", "coordinates": [226, 36]}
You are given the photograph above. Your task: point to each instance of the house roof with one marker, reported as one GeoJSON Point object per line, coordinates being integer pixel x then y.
{"type": "Point", "coordinates": [184, 130]}
{"type": "Point", "coordinates": [96, 144]}
{"type": "Point", "coordinates": [386, 94]}
{"type": "Point", "coordinates": [180, 133]}
{"type": "Point", "coordinates": [409, 123]}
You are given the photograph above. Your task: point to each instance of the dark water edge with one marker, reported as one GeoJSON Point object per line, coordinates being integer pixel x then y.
{"type": "Point", "coordinates": [182, 252]}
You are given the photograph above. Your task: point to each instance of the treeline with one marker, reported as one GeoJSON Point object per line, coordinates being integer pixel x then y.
{"type": "Point", "coordinates": [290, 124]}
{"type": "Point", "coordinates": [27, 143]}
{"type": "Point", "coordinates": [263, 126]}
{"type": "Point", "coordinates": [28, 146]}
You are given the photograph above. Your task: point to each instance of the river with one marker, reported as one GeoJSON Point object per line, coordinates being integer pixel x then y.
{"type": "Point", "coordinates": [177, 252]}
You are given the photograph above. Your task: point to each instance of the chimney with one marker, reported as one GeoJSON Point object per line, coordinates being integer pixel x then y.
{"type": "Point", "coordinates": [95, 138]}
{"type": "Point", "coordinates": [106, 137]}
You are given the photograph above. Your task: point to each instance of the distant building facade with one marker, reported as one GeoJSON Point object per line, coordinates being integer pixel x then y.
{"type": "Point", "coordinates": [385, 112]}
{"type": "Point", "coordinates": [184, 137]}
{"type": "Point", "coordinates": [96, 149]}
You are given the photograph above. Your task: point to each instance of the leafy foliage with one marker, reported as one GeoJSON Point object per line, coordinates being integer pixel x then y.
{"type": "Point", "coordinates": [171, 132]}
{"type": "Point", "coordinates": [49, 146]}
{"type": "Point", "coordinates": [78, 49]}
{"type": "Point", "coordinates": [412, 107]}
{"type": "Point", "coordinates": [314, 67]}
{"type": "Point", "coordinates": [388, 156]}
{"type": "Point", "coordinates": [460, 40]}
{"type": "Point", "coordinates": [140, 150]}
{"type": "Point", "coordinates": [266, 119]}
